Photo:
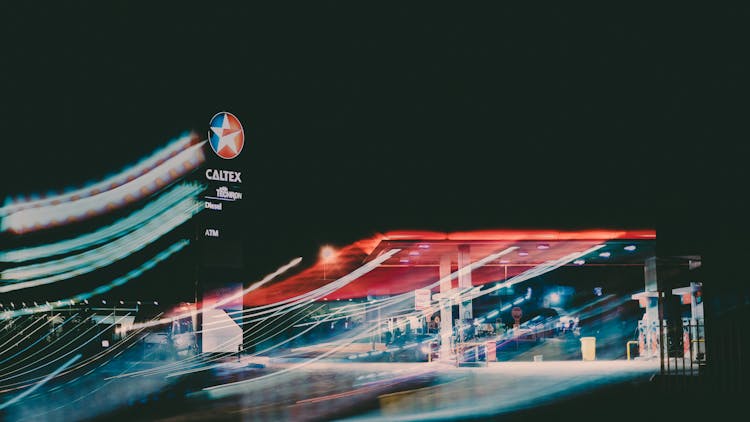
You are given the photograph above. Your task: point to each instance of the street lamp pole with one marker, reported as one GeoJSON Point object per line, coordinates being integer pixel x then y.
{"type": "Point", "coordinates": [326, 254]}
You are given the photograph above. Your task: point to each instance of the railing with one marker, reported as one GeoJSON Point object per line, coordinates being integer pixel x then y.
{"type": "Point", "coordinates": [684, 348]}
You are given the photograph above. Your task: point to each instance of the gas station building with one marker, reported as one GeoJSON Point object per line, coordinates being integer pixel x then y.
{"type": "Point", "coordinates": [475, 277]}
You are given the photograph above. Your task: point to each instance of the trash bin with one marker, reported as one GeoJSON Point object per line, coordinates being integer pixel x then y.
{"type": "Point", "coordinates": [588, 348]}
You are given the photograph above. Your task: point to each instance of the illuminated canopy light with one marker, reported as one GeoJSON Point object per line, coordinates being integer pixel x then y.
{"type": "Point", "coordinates": [133, 172]}
{"type": "Point", "coordinates": [121, 227]}
{"type": "Point", "coordinates": [538, 270]}
{"type": "Point", "coordinates": [32, 219]}
{"type": "Point", "coordinates": [327, 253]}
{"type": "Point", "coordinates": [161, 256]}
{"type": "Point", "coordinates": [100, 257]}
{"type": "Point", "coordinates": [629, 248]}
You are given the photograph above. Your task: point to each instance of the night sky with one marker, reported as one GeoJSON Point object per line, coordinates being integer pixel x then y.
{"type": "Point", "coordinates": [367, 119]}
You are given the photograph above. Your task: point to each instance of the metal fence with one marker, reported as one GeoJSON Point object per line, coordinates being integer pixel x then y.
{"type": "Point", "coordinates": [684, 347]}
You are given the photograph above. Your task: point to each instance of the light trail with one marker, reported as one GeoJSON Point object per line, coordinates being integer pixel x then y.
{"type": "Point", "coordinates": [324, 290]}
{"type": "Point", "coordinates": [320, 292]}
{"type": "Point", "coordinates": [230, 298]}
{"type": "Point", "coordinates": [222, 390]}
{"type": "Point", "coordinates": [38, 385]}
{"type": "Point", "coordinates": [7, 377]}
{"type": "Point", "coordinates": [122, 227]}
{"type": "Point", "coordinates": [30, 219]}
{"type": "Point", "coordinates": [280, 330]}
{"type": "Point", "coordinates": [450, 277]}
{"type": "Point", "coordinates": [23, 331]}
{"type": "Point", "coordinates": [161, 256]}
{"type": "Point", "coordinates": [90, 360]}
{"type": "Point", "coordinates": [39, 339]}
{"type": "Point", "coordinates": [89, 393]}
{"type": "Point", "coordinates": [89, 261]}
{"type": "Point", "coordinates": [53, 344]}
{"type": "Point", "coordinates": [334, 285]}
{"type": "Point", "coordinates": [146, 164]}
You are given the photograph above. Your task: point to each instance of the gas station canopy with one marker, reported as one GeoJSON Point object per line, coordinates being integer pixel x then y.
{"type": "Point", "coordinates": [417, 262]}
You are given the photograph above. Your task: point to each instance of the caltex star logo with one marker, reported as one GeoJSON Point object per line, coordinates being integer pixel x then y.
{"type": "Point", "coordinates": [226, 135]}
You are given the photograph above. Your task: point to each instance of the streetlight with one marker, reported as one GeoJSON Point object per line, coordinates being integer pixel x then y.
{"type": "Point", "coordinates": [327, 253]}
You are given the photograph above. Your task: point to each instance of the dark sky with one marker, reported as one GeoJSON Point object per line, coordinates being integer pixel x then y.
{"type": "Point", "coordinates": [365, 119]}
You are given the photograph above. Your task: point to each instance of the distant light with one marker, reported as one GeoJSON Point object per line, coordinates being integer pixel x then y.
{"type": "Point", "coordinates": [23, 304]}
{"type": "Point", "coordinates": [597, 291]}
{"type": "Point", "coordinates": [122, 303]}
{"type": "Point", "coordinates": [414, 253]}
{"type": "Point", "coordinates": [522, 253]}
{"type": "Point", "coordinates": [86, 301]}
{"type": "Point", "coordinates": [629, 248]}
{"type": "Point", "coordinates": [424, 246]}
{"type": "Point", "coordinates": [327, 253]}
{"type": "Point", "coordinates": [554, 298]}
{"type": "Point", "coordinates": [138, 302]}
{"type": "Point", "coordinates": [579, 262]}
{"type": "Point", "coordinates": [156, 302]}
{"type": "Point", "coordinates": [325, 298]}
{"type": "Point", "coordinates": [105, 343]}
{"type": "Point", "coordinates": [528, 293]}
{"type": "Point", "coordinates": [104, 302]}
{"type": "Point", "coordinates": [605, 254]}
{"type": "Point", "coordinates": [350, 299]}
{"type": "Point", "coordinates": [504, 261]}
{"type": "Point", "coordinates": [403, 260]}
{"type": "Point", "coordinates": [542, 246]}
{"type": "Point", "coordinates": [35, 304]}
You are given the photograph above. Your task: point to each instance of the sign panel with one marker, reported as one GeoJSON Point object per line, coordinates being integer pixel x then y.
{"type": "Point", "coordinates": [516, 313]}
{"type": "Point", "coordinates": [226, 135]}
